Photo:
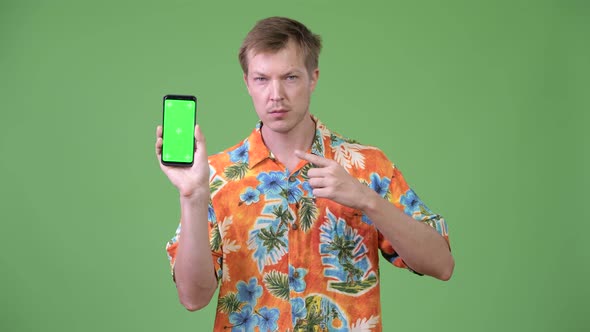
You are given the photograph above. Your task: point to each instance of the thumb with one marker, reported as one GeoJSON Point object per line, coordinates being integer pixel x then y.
{"type": "Point", "coordinates": [199, 139]}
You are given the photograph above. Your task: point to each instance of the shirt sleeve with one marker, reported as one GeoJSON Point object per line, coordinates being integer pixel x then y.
{"type": "Point", "coordinates": [214, 241]}
{"type": "Point", "coordinates": [404, 198]}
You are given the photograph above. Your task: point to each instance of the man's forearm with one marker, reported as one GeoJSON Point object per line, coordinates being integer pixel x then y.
{"type": "Point", "coordinates": [419, 245]}
{"type": "Point", "coordinates": [193, 269]}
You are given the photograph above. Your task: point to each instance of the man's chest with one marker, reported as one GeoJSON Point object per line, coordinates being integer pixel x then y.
{"type": "Point", "coordinates": [270, 220]}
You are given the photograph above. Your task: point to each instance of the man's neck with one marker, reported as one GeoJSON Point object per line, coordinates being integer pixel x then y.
{"type": "Point", "coordinates": [283, 145]}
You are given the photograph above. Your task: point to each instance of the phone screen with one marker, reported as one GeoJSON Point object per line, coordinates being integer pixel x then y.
{"type": "Point", "coordinates": [178, 130]}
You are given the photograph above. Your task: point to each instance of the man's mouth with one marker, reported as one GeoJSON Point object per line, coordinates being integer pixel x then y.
{"type": "Point", "coordinates": [278, 111]}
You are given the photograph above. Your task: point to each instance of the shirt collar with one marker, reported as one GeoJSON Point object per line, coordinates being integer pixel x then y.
{"type": "Point", "coordinates": [258, 151]}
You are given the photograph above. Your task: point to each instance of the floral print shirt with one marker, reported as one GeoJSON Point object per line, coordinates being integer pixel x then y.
{"type": "Point", "coordinates": [288, 261]}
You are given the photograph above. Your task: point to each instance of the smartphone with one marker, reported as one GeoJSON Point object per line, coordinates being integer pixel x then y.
{"type": "Point", "coordinates": [178, 130]}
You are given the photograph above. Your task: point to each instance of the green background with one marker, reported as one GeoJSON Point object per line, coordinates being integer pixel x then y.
{"type": "Point", "coordinates": [483, 106]}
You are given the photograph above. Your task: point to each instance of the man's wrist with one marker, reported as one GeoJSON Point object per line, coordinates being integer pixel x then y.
{"type": "Point", "coordinates": [369, 200]}
{"type": "Point", "coordinates": [195, 197]}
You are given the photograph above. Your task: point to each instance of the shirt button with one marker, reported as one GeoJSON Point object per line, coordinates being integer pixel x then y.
{"type": "Point", "coordinates": [292, 178]}
{"type": "Point", "coordinates": [294, 226]}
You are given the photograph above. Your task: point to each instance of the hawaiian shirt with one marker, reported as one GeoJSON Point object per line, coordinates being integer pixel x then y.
{"type": "Point", "coordinates": [288, 261]}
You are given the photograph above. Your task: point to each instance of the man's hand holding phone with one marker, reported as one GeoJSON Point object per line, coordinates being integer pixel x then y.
{"type": "Point", "coordinates": [180, 146]}
{"type": "Point", "coordinates": [188, 180]}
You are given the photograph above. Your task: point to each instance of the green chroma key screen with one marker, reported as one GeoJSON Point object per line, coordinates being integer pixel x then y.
{"type": "Point", "coordinates": [178, 131]}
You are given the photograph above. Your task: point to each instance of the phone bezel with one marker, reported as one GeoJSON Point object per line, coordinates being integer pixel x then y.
{"type": "Point", "coordinates": [177, 97]}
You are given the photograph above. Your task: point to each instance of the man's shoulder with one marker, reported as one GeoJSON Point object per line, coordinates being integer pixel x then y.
{"type": "Point", "coordinates": [231, 163]}
{"type": "Point", "coordinates": [223, 156]}
{"type": "Point", "coordinates": [359, 159]}
{"type": "Point", "coordinates": [341, 146]}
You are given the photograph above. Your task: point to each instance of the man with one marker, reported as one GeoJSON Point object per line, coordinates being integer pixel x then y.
{"type": "Point", "coordinates": [292, 218]}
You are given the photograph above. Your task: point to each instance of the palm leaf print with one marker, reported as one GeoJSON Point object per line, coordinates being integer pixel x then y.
{"type": "Point", "coordinates": [215, 185]}
{"type": "Point", "coordinates": [271, 239]}
{"type": "Point", "coordinates": [365, 325]}
{"type": "Point", "coordinates": [304, 171]}
{"type": "Point", "coordinates": [277, 284]}
{"type": "Point", "coordinates": [308, 213]}
{"type": "Point", "coordinates": [343, 246]}
{"type": "Point", "coordinates": [268, 229]}
{"type": "Point", "coordinates": [229, 303]}
{"type": "Point", "coordinates": [236, 171]}
{"type": "Point", "coordinates": [215, 237]}
{"type": "Point", "coordinates": [317, 144]}
{"type": "Point", "coordinates": [283, 215]}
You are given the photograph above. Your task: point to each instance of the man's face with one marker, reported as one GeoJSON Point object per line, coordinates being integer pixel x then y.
{"type": "Point", "coordinates": [280, 87]}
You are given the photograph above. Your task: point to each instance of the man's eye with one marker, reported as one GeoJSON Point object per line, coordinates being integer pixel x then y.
{"type": "Point", "coordinates": [259, 79]}
{"type": "Point", "coordinates": [291, 77]}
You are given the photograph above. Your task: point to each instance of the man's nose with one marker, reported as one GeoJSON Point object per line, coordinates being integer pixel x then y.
{"type": "Point", "coordinates": [276, 91]}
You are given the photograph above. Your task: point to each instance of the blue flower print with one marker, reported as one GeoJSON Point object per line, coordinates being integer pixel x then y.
{"type": "Point", "coordinates": [366, 220]}
{"type": "Point", "coordinates": [293, 192]}
{"type": "Point", "coordinates": [298, 309]}
{"type": "Point", "coordinates": [211, 213]}
{"type": "Point", "coordinates": [268, 319]}
{"type": "Point", "coordinates": [251, 195]}
{"type": "Point", "coordinates": [380, 186]}
{"type": "Point", "coordinates": [271, 183]}
{"type": "Point", "coordinates": [411, 202]}
{"type": "Point", "coordinates": [240, 154]}
{"type": "Point", "coordinates": [308, 189]}
{"type": "Point", "coordinates": [243, 321]}
{"type": "Point", "coordinates": [296, 281]}
{"type": "Point", "coordinates": [249, 292]}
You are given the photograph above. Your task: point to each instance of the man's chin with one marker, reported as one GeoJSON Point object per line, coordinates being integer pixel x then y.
{"type": "Point", "coordinates": [277, 126]}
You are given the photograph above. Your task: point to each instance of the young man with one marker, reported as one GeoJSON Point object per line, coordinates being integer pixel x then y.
{"type": "Point", "coordinates": [291, 220]}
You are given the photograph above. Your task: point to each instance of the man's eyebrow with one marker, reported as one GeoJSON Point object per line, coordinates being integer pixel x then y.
{"type": "Point", "coordinates": [293, 71]}
{"type": "Point", "coordinates": [287, 73]}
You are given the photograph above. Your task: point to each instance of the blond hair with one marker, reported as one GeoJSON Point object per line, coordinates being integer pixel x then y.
{"type": "Point", "coordinates": [274, 33]}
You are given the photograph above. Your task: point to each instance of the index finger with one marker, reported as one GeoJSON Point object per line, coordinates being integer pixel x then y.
{"type": "Point", "coordinates": [316, 160]}
{"type": "Point", "coordinates": [158, 131]}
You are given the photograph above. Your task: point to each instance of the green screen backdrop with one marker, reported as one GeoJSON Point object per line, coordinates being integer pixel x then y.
{"type": "Point", "coordinates": [483, 105]}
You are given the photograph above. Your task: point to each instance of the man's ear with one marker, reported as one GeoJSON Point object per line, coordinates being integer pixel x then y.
{"type": "Point", "coordinates": [315, 76]}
